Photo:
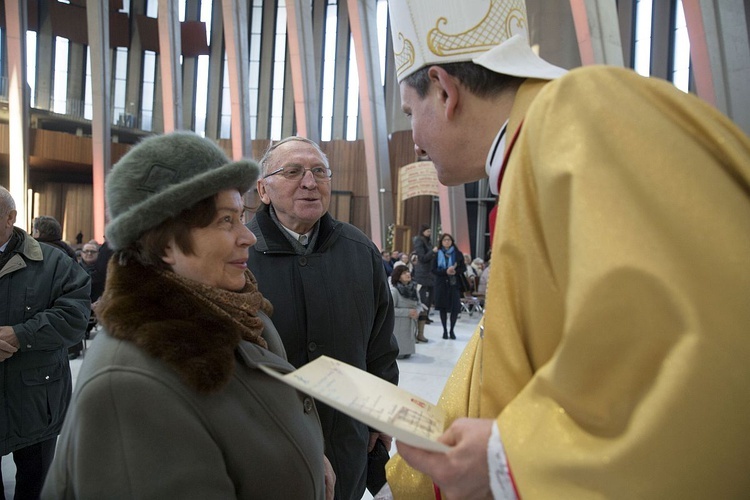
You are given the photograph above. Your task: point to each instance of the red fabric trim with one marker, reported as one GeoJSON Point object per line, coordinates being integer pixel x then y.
{"type": "Point", "coordinates": [506, 156]}
{"type": "Point", "coordinates": [438, 495]}
{"type": "Point", "coordinates": [492, 217]}
{"type": "Point", "coordinates": [513, 480]}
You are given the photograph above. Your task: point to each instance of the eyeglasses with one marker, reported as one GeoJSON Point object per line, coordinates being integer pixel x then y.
{"type": "Point", "coordinates": [90, 252]}
{"type": "Point", "coordinates": [296, 173]}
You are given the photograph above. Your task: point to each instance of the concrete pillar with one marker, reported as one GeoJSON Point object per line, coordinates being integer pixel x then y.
{"type": "Point", "coordinates": [341, 72]}
{"type": "Point", "coordinates": [76, 79]}
{"type": "Point", "coordinates": [133, 84]}
{"type": "Point", "coordinates": [720, 55]}
{"type": "Point", "coordinates": [16, 21]}
{"type": "Point", "coordinates": [170, 49]}
{"type": "Point", "coordinates": [302, 60]}
{"type": "Point", "coordinates": [598, 31]}
{"type": "Point", "coordinates": [662, 34]}
{"type": "Point", "coordinates": [97, 16]}
{"type": "Point", "coordinates": [268, 32]}
{"type": "Point", "coordinates": [189, 72]}
{"type": "Point", "coordinates": [363, 22]}
{"type": "Point", "coordinates": [45, 57]}
{"type": "Point", "coordinates": [215, 71]}
{"type": "Point", "coordinates": [235, 37]}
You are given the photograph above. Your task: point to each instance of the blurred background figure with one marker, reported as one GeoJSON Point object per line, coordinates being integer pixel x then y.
{"type": "Point", "coordinates": [47, 230]}
{"type": "Point", "coordinates": [425, 252]}
{"type": "Point", "coordinates": [447, 266]}
{"type": "Point", "coordinates": [408, 328]}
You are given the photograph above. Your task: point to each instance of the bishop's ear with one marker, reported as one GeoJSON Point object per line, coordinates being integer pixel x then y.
{"type": "Point", "coordinates": [447, 88]}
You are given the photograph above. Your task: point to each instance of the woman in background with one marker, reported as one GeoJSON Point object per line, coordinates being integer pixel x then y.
{"type": "Point", "coordinates": [448, 263]}
{"type": "Point", "coordinates": [408, 327]}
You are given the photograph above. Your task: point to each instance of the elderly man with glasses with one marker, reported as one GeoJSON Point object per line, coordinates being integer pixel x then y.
{"type": "Point", "coordinates": [329, 291]}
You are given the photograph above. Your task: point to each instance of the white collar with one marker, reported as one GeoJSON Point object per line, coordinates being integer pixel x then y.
{"type": "Point", "coordinates": [494, 165]}
{"type": "Point", "coordinates": [297, 235]}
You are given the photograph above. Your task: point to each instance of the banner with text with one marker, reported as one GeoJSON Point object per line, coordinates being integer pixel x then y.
{"type": "Point", "coordinates": [417, 179]}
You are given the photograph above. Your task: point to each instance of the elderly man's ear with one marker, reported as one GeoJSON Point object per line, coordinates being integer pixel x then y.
{"type": "Point", "coordinates": [11, 220]}
{"type": "Point", "coordinates": [262, 193]}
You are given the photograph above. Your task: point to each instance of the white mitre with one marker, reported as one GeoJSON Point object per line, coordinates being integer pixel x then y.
{"type": "Point", "coordinates": [491, 33]}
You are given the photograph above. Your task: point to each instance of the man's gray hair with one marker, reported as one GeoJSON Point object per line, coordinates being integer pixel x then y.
{"type": "Point", "coordinates": [268, 155]}
{"type": "Point", "coordinates": [7, 203]}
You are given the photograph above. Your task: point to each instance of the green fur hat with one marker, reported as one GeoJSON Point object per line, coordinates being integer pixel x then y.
{"type": "Point", "coordinates": [164, 175]}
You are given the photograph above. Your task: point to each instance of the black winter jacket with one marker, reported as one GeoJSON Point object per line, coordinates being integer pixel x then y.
{"type": "Point", "coordinates": [335, 302]}
{"type": "Point", "coordinates": [423, 270]}
{"type": "Point", "coordinates": [45, 298]}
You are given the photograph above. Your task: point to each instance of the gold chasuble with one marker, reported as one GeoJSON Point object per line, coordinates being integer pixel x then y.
{"type": "Point", "coordinates": [615, 354]}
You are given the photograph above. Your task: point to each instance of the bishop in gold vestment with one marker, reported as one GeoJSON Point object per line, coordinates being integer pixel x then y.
{"type": "Point", "coordinates": [615, 349]}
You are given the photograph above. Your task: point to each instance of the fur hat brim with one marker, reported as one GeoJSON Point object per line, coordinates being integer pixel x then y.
{"type": "Point", "coordinates": [128, 226]}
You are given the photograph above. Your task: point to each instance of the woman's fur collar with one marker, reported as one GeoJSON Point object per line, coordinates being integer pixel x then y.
{"type": "Point", "coordinates": [144, 308]}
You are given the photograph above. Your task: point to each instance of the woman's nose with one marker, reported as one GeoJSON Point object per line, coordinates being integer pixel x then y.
{"type": "Point", "coordinates": [247, 237]}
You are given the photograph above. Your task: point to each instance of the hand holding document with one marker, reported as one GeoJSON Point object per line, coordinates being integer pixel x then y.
{"type": "Point", "coordinates": [369, 399]}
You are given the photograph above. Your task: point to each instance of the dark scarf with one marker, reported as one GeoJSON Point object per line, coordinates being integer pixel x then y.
{"type": "Point", "coordinates": [408, 291]}
{"type": "Point", "coordinates": [8, 253]}
{"type": "Point", "coordinates": [191, 327]}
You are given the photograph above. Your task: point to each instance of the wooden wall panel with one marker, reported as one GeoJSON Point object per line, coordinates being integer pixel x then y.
{"type": "Point", "coordinates": [72, 206]}
{"type": "Point", "coordinates": [418, 210]}
{"type": "Point", "coordinates": [60, 146]}
{"type": "Point", "coordinates": [78, 215]}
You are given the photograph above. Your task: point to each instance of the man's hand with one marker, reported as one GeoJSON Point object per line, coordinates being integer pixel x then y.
{"type": "Point", "coordinates": [8, 342]}
{"type": "Point", "coordinates": [6, 350]}
{"type": "Point", "coordinates": [462, 472]}
{"type": "Point", "coordinates": [8, 335]}
{"type": "Point", "coordinates": [330, 478]}
{"type": "Point", "coordinates": [385, 438]}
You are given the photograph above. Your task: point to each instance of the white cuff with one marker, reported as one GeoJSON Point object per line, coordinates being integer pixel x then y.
{"type": "Point", "coordinates": [501, 482]}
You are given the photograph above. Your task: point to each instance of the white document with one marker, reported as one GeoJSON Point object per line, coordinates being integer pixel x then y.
{"type": "Point", "coordinates": [369, 399]}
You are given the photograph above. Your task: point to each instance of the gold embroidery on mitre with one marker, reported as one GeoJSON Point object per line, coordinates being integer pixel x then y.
{"type": "Point", "coordinates": [404, 59]}
{"type": "Point", "coordinates": [502, 20]}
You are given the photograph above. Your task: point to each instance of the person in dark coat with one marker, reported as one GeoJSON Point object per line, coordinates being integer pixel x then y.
{"type": "Point", "coordinates": [447, 267]}
{"type": "Point", "coordinates": [425, 251]}
{"type": "Point", "coordinates": [45, 308]}
{"type": "Point", "coordinates": [326, 280]}
{"type": "Point", "coordinates": [48, 230]}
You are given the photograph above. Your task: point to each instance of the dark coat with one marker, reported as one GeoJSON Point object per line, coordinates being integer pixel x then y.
{"type": "Point", "coordinates": [334, 302]}
{"type": "Point", "coordinates": [62, 246]}
{"type": "Point", "coordinates": [45, 298]}
{"type": "Point", "coordinates": [99, 275]}
{"type": "Point", "coordinates": [171, 403]}
{"type": "Point", "coordinates": [423, 270]}
{"type": "Point", "coordinates": [447, 296]}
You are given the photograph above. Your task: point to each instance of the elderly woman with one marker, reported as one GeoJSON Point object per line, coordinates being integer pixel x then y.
{"type": "Point", "coordinates": [408, 328]}
{"type": "Point", "coordinates": [170, 401]}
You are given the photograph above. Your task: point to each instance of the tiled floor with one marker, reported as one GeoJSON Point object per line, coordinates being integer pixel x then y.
{"type": "Point", "coordinates": [423, 374]}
